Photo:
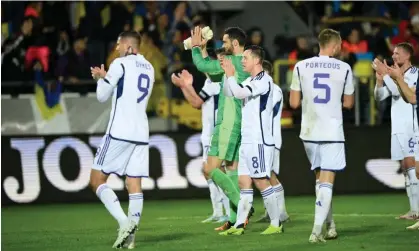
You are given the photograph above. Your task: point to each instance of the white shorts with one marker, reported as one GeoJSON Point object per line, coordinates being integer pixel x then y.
{"type": "Point", "coordinates": [255, 160]}
{"type": "Point", "coordinates": [403, 146]}
{"type": "Point", "coordinates": [276, 163]}
{"type": "Point", "coordinates": [122, 158]}
{"type": "Point", "coordinates": [326, 156]}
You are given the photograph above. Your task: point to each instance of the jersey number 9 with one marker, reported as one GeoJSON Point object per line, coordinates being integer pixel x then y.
{"type": "Point", "coordinates": [143, 85]}
{"type": "Point", "coordinates": [325, 87]}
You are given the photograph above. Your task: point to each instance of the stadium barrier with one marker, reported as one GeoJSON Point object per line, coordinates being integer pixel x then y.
{"type": "Point", "coordinates": [55, 169]}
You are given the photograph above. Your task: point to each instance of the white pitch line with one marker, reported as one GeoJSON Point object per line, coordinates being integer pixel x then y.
{"type": "Point", "coordinates": [295, 214]}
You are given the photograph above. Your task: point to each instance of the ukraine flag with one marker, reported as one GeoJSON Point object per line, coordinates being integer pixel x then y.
{"type": "Point", "coordinates": [47, 96]}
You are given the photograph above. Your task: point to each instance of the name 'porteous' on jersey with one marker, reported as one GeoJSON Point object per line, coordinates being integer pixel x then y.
{"type": "Point", "coordinates": [133, 77]}
{"type": "Point", "coordinates": [322, 81]}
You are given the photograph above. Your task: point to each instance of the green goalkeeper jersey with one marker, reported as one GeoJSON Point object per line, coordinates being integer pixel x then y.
{"type": "Point", "coordinates": [229, 108]}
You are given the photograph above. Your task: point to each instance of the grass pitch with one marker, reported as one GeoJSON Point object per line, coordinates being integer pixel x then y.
{"type": "Point", "coordinates": [363, 223]}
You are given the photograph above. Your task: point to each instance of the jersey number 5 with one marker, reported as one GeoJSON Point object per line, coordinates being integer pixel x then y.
{"type": "Point", "coordinates": [325, 87]}
{"type": "Point", "coordinates": [143, 85]}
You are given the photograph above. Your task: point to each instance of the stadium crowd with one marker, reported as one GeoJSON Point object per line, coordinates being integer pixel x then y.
{"type": "Point", "coordinates": [63, 39]}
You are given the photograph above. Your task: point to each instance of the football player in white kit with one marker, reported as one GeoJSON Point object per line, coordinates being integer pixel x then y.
{"type": "Point", "coordinates": [124, 149]}
{"type": "Point", "coordinates": [257, 145]}
{"type": "Point", "coordinates": [322, 80]}
{"type": "Point", "coordinates": [276, 116]}
{"type": "Point", "coordinates": [207, 100]}
{"type": "Point", "coordinates": [404, 117]}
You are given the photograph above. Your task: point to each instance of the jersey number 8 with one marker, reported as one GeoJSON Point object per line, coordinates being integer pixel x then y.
{"type": "Point", "coordinates": [143, 85]}
{"type": "Point", "coordinates": [325, 87]}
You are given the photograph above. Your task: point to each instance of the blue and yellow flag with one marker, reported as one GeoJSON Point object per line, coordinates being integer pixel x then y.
{"type": "Point", "coordinates": [47, 97]}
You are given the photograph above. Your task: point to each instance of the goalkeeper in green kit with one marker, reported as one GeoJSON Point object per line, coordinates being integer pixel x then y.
{"type": "Point", "coordinates": [225, 141]}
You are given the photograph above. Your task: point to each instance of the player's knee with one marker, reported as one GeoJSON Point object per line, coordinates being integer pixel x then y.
{"type": "Point", "coordinates": [273, 179]}
{"type": "Point", "coordinates": [245, 182]}
{"type": "Point", "coordinates": [261, 183]}
{"type": "Point", "coordinates": [408, 163]}
{"type": "Point", "coordinates": [97, 178]}
{"type": "Point", "coordinates": [133, 185]}
{"type": "Point", "coordinates": [209, 166]}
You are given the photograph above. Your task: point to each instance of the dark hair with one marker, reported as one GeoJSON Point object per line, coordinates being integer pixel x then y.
{"type": "Point", "coordinates": [267, 66]}
{"type": "Point", "coordinates": [257, 51]}
{"type": "Point", "coordinates": [328, 35]}
{"type": "Point", "coordinates": [132, 35]}
{"type": "Point", "coordinates": [407, 47]}
{"type": "Point", "coordinates": [235, 33]}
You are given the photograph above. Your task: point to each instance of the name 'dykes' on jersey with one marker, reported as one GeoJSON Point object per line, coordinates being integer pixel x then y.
{"type": "Point", "coordinates": [322, 81]}
{"type": "Point", "coordinates": [403, 115]}
{"type": "Point", "coordinates": [257, 111]}
{"type": "Point", "coordinates": [132, 78]}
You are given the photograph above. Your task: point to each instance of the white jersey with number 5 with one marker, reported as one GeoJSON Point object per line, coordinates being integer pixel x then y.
{"type": "Point", "coordinates": [133, 79]}
{"type": "Point", "coordinates": [322, 81]}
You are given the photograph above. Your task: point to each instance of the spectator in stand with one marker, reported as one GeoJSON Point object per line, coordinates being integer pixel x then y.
{"type": "Point", "coordinates": [181, 23]}
{"type": "Point", "coordinates": [13, 52]}
{"type": "Point", "coordinates": [302, 51]}
{"type": "Point", "coordinates": [174, 50]}
{"type": "Point", "coordinates": [256, 37]}
{"type": "Point", "coordinates": [405, 35]}
{"type": "Point", "coordinates": [354, 43]}
{"type": "Point", "coordinates": [415, 26]}
{"type": "Point", "coordinates": [38, 49]}
{"type": "Point", "coordinates": [62, 51]}
{"type": "Point", "coordinates": [348, 57]}
{"type": "Point", "coordinates": [78, 67]}
{"type": "Point", "coordinates": [34, 9]}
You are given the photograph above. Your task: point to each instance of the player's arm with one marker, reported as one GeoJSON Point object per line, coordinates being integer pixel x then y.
{"type": "Point", "coordinates": [381, 92]}
{"type": "Point", "coordinates": [295, 93]}
{"type": "Point", "coordinates": [192, 97]}
{"type": "Point", "coordinates": [107, 84]}
{"type": "Point", "coordinates": [408, 95]}
{"type": "Point", "coordinates": [348, 92]}
{"type": "Point", "coordinates": [205, 65]}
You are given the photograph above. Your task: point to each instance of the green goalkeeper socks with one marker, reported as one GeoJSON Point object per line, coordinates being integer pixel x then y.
{"type": "Point", "coordinates": [234, 177]}
{"type": "Point", "coordinates": [227, 184]}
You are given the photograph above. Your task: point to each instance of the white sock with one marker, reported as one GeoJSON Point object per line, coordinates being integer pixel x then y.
{"type": "Point", "coordinates": [279, 193]}
{"type": "Point", "coordinates": [414, 189]}
{"type": "Point", "coordinates": [330, 223]}
{"type": "Point", "coordinates": [408, 191]}
{"type": "Point", "coordinates": [245, 203]}
{"type": "Point", "coordinates": [135, 207]}
{"type": "Point", "coordinates": [317, 187]}
{"type": "Point", "coordinates": [226, 202]}
{"type": "Point", "coordinates": [271, 204]}
{"type": "Point", "coordinates": [323, 202]}
{"type": "Point", "coordinates": [215, 198]}
{"type": "Point", "coordinates": [111, 202]}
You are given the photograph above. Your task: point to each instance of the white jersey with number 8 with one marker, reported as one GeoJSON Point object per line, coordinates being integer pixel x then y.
{"type": "Point", "coordinates": [322, 81]}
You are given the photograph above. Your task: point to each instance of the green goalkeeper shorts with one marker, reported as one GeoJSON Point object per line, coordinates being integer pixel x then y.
{"type": "Point", "coordinates": [225, 144]}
